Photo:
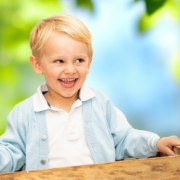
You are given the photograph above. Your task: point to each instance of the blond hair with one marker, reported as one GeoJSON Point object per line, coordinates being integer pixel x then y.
{"type": "Point", "coordinates": [59, 23]}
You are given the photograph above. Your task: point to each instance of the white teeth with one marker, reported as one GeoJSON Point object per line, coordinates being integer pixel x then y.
{"type": "Point", "coordinates": [68, 80]}
{"type": "Point", "coordinates": [70, 84]}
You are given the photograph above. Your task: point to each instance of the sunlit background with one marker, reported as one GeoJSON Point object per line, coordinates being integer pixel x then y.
{"type": "Point", "coordinates": [136, 60]}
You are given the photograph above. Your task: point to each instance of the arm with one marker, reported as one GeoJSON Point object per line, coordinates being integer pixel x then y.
{"type": "Point", "coordinates": [139, 144]}
{"type": "Point", "coordinates": [12, 146]}
{"type": "Point", "coordinates": [129, 142]}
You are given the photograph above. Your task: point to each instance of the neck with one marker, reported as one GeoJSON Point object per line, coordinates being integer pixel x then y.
{"type": "Point", "coordinates": [60, 102]}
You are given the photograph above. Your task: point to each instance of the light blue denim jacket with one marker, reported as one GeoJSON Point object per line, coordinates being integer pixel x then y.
{"type": "Point", "coordinates": [109, 136]}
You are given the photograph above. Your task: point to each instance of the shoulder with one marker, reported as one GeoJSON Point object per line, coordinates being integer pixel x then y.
{"type": "Point", "coordinates": [99, 95]}
{"type": "Point", "coordinates": [110, 110]}
{"type": "Point", "coordinates": [103, 100]}
{"type": "Point", "coordinates": [20, 115]}
{"type": "Point", "coordinates": [24, 105]}
{"type": "Point", "coordinates": [100, 100]}
{"type": "Point", "coordinates": [22, 110]}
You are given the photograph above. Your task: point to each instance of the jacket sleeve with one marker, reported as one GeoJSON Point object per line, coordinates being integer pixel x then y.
{"type": "Point", "coordinates": [129, 142]}
{"type": "Point", "coordinates": [12, 144]}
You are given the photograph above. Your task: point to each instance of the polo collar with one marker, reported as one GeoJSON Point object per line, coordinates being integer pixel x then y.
{"type": "Point", "coordinates": [40, 103]}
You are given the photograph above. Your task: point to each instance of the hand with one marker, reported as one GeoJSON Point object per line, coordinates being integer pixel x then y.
{"type": "Point", "coordinates": [166, 144]}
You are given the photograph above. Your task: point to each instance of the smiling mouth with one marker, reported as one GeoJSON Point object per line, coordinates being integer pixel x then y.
{"type": "Point", "coordinates": [68, 82]}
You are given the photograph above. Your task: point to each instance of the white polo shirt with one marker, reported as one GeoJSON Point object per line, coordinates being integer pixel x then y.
{"type": "Point", "coordinates": [66, 137]}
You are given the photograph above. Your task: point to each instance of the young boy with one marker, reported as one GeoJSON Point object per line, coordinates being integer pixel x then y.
{"type": "Point", "coordinates": [67, 123]}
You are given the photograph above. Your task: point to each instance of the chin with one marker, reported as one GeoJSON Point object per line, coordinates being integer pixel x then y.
{"type": "Point", "coordinates": [69, 95]}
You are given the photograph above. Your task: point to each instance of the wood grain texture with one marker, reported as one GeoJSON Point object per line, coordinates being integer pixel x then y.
{"type": "Point", "coordinates": [151, 168]}
{"type": "Point", "coordinates": [159, 168]}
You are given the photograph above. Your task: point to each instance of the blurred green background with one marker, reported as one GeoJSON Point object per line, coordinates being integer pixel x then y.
{"type": "Point", "coordinates": [17, 79]}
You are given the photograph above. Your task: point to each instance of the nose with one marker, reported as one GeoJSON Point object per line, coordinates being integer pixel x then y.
{"type": "Point", "coordinates": [69, 68]}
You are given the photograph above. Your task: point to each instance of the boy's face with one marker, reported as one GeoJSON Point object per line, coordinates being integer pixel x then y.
{"type": "Point", "coordinates": [64, 62]}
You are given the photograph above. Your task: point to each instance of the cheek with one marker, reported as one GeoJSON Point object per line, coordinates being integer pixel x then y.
{"type": "Point", "coordinates": [84, 71]}
{"type": "Point", "coordinates": [50, 73]}
{"type": "Point", "coordinates": [52, 69]}
{"type": "Point", "coordinates": [87, 69]}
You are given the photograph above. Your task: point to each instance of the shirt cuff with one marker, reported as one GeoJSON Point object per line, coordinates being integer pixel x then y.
{"type": "Point", "coordinates": [152, 143]}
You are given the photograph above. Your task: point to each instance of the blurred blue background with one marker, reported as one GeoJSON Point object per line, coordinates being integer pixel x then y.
{"type": "Point", "coordinates": [134, 69]}
{"type": "Point", "coordinates": [135, 64]}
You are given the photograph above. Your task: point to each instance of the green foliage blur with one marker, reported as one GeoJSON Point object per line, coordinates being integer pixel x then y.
{"type": "Point", "coordinates": [17, 79]}
{"type": "Point", "coordinates": [156, 10]}
{"type": "Point", "coordinates": [17, 18]}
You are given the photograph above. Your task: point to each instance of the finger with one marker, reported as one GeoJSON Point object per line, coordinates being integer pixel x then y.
{"type": "Point", "coordinates": [175, 141]}
{"type": "Point", "coordinates": [169, 152]}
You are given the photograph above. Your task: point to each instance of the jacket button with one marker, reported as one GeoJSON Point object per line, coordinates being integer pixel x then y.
{"type": "Point", "coordinates": [43, 161]}
{"type": "Point", "coordinates": [43, 137]}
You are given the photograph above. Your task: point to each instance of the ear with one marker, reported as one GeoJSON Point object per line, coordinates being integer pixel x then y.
{"type": "Point", "coordinates": [35, 64]}
{"type": "Point", "coordinates": [89, 63]}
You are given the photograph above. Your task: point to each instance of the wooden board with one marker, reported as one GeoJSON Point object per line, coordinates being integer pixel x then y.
{"type": "Point", "coordinates": [176, 150]}
{"type": "Point", "coordinates": [158, 168]}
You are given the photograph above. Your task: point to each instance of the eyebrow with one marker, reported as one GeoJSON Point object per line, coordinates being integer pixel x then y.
{"type": "Point", "coordinates": [62, 57]}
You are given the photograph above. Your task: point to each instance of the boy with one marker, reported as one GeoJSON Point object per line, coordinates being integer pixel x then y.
{"type": "Point", "coordinates": [66, 123]}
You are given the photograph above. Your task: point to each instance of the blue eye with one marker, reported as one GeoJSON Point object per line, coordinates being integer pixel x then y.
{"type": "Point", "coordinates": [79, 60]}
{"type": "Point", "coordinates": [59, 61]}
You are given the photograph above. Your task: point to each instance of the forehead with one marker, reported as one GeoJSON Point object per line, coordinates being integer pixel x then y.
{"type": "Point", "coordinates": [60, 43]}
